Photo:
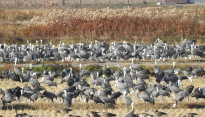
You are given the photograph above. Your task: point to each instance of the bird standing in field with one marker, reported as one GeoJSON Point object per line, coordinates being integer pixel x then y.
{"type": "Point", "coordinates": [106, 114]}
{"type": "Point", "coordinates": [92, 114]}
{"type": "Point", "coordinates": [190, 115]}
{"type": "Point", "coordinates": [16, 70]}
{"type": "Point", "coordinates": [68, 101]}
{"type": "Point", "coordinates": [131, 114]}
{"type": "Point", "coordinates": [159, 114]}
{"type": "Point", "coordinates": [64, 110]}
{"type": "Point", "coordinates": [143, 115]}
{"type": "Point", "coordinates": [127, 101]}
{"type": "Point", "coordinates": [145, 97]}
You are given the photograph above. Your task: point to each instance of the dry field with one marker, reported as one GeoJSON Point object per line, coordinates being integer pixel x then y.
{"type": "Point", "coordinates": [43, 108]}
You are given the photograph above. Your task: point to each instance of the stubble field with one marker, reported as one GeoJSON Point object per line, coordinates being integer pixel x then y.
{"type": "Point", "coordinates": [45, 108]}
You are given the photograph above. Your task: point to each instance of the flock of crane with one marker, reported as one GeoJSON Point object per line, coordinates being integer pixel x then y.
{"type": "Point", "coordinates": [100, 52]}
{"type": "Point", "coordinates": [100, 88]}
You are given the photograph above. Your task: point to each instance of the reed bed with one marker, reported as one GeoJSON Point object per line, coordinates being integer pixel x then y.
{"type": "Point", "coordinates": [127, 22]}
{"type": "Point", "coordinates": [105, 24]}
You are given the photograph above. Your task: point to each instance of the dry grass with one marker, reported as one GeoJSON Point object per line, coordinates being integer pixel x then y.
{"type": "Point", "coordinates": [116, 23]}
{"type": "Point", "coordinates": [15, 15]}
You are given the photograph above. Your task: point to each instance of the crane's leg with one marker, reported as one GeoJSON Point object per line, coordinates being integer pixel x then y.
{"type": "Point", "coordinates": [145, 105]}
{"type": "Point", "coordinates": [96, 106]}
{"type": "Point", "coordinates": [180, 104]}
{"type": "Point", "coordinates": [127, 108]}
{"type": "Point", "coordinates": [80, 98]}
{"type": "Point", "coordinates": [19, 99]}
{"type": "Point", "coordinates": [7, 79]}
{"type": "Point", "coordinates": [188, 98]}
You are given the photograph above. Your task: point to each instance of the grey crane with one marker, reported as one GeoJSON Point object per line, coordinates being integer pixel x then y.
{"type": "Point", "coordinates": [115, 95]}
{"type": "Point", "coordinates": [59, 94]}
{"type": "Point", "coordinates": [121, 86]}
{"type": "Point", "coordinates": [164, 93]}
{"type": "Point", "coordinates": [190, 115]}
{"type": "Point", "coordinates": [68, 101]}
{"type": "Point", "coordinates": [189, 90]}
{"type": "Point", "coordinates": [35, 96]}
{"type": "Point", "coordinates": [48, 77]}
{"type": "Point", "coordinates": [131, 114]}
{"type": "Point", "coordinates": [156, 68]}
{"type": "Point", "coordinates": [145, 97]}
{"type": "Point", "coordinates": [179, 97]}
{"type": "Point", "coordinates": [159, 113]}
{"type": "Point", "coordinates": [1, 106]}
{"type": "Point", "coordinates": [48, 82]}
{"type": "Point", "coordinates": [2, 91]}
{"type": "Point", "coordinates": [13, 76]}
{"type": "Point", "coordinates": [106, 100]}
{"type": "Point", "coordinates": [128, 101]}
{"type": "Point", "coordinates": [143, 115]}
{"type": "Point", "coordinates": [135, 66]}
{"type": "Point", "coordinates": [196, 71]}
{"type": "Point", "coordinates": [34, 83]}
{"type": "Point", "coordinates": [27, 94]}
{"type": "Point", "coordinates": [104, 92]}
{"type": "Point", "coordinates": [185, 73]}
{"type": "Point", "coordinates": [198, 93]}
{"type": "Point", "coordinates": [189, 69]}
{"type": "Point", "coordinates": [8, 98]}
{"type": "Point", "coordinates": [96, 99]}
{"type": "Point", "coordinates": [155, 93]}
{"type": "Point", "coordinates": [49, 95]}
{"type": "Point", "coordinates": [106, 114]}
{"type": "Point", "coordinates": [92, 114]}
{"type": "Point", "coordinates": [86, 92]}
{"type": "Point", "coordinates": [6, 73]}
{"type": "Point", "coordinates": [26, 78]}
{"type": "Point", "coordinates": [140, 87]}
{"type": "Point", "coordinates": [16, 70]}
{"type": "Point", "coordinates": [63, 110]}
{"type": "Point", "coordinates": [83, 73]}
{"type": "Point", "coordinates": [175, 89]}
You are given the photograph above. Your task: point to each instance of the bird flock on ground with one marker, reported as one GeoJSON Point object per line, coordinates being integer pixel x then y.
{"type": "Point", "coordinates": [99, 89]}
{"type": "Point", "coordinates": [101, 52]}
